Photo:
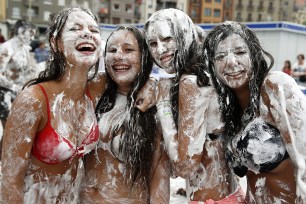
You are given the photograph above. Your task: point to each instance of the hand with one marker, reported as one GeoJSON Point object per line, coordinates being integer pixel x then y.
{"type": "Point", "coordinates": [146, 97]}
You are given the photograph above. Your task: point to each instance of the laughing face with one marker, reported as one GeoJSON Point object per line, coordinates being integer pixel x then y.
{"type": "Point", "coordinates": [81, 39]}
{"type": "Point", "coordinates": [123, 58]}
{"type": "Point", "coordinates": [162, 45]}
{"type": "Point", "coordinates": [232, 62]}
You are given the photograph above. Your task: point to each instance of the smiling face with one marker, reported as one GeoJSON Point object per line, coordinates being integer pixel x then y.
{"type": "Point", "coordinates": [123, 58]}
{"type": "Point", "coordinates": [232, 62]}
{"type": "Point", "coordinates": [162, 44]}
{"type": "Point", "coordinates": [80, 39]}
{"type": "Point", "coordinates": [26, 35]}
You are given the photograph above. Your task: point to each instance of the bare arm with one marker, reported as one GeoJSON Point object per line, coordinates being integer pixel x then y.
{"type": "Point", "coordinates": [20, 131]}
{"type": "Point", "coordinates": [146, 97]}
{"type": "Point", "coordinates": [285, 105]}
{"type": "Point", "coordinates": [192, 125]}
{"type": "Point", "coordinates": [160, 179]}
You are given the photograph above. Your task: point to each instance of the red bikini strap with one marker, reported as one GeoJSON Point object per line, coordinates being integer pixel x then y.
{"type": "Point", "coordinates": [88, 93]}
{"type": "Point", "coordinates": [47, 101]}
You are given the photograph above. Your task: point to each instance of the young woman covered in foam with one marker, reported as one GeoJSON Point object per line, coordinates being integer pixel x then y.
{"type": "Point", "coordinates": [264, 114]}
{"type": "Point", "coordinates": [130, 164]}
{"type": "Point", "coordinates": [191, 122]}
{"type": "Point", "coordinates": [52, 122]}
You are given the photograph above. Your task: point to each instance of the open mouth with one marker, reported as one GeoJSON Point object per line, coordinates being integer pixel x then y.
{"type": "Point", "coordinates": [234, 74]}
{"type": "Point", "coordinates": [120, 68]}
{"type": "Point", "coordinates": [166, 58]}
{"type": "Point", "coordinates": [86, 47]}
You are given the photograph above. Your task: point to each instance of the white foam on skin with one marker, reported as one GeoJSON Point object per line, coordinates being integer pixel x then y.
{"type": "Point", "coordinates": [80, 28]}
{"type": "Point", "coordinates": [260, 184]}
{"type": "Point", "coordinates": [288, 109]}
{"type": "Point", "coordinates": [51, 186]}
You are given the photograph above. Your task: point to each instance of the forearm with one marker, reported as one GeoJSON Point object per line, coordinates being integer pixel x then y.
{"type": "Point", "coordinates": [168, 128]}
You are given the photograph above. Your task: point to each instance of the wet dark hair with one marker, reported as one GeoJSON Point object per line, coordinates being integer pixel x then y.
{"type": "Point", "coordinates": [302, 56]}
{"type": "Point", "coordinates": [188, 57]}
{"type": "Point", "coordinates": [55, 65]}
{"type": "Point", "coordinates": [137, 143]}
{"type": "Point", "coordinates": [229, 104]}
{"type": "Point", "coordinates": [21, 23]}
{"type": "Point", "coordinates": [289, 64]}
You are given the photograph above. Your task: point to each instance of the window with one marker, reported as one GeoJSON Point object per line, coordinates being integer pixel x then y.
{"type": "Point", "coordinates": [218, 1]}
{"type": "Point", "coordinates": [116, 7]}
{"type": "Point", "coordinates": [193, 13]}
{"type": "Point", "coordinates": [49, 2]}
{"type": "Point", "coordinates": [217, 13]}
{"type": "Point", "coordinates": [207, 12]}
{"type": "Point", "coordinates": [61, 2]}
{"type": "Point", "coordinates": [16, 12]}
{"type": "Point", "coordinates": [47, 15]}
{"type": "Point", "coordinates": [208, 1]}
{"type": "Point", "coordinates": [259, 17]}
{"type": "Point", "coordinates": [249, 17]}
{"type": "Point", "coordinates": [116, 20]}
{"type": "Point", "coordinates": [128, 8]}
{"type": "Point", "coordinates": [33, 11]}
{"type": "Point", "coordinates": [128, 21]}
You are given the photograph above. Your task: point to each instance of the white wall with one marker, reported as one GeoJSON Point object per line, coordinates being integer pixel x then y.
{"type": "Point", "coordinates": [282, 45]}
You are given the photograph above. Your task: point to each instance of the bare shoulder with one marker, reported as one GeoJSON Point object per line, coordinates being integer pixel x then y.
{"type": "Point", "coordinates": [277, 77]}
{"type": "Point", "coordinates": [31, 98]}
{"type": "Point", "coordinates": [189, 84]}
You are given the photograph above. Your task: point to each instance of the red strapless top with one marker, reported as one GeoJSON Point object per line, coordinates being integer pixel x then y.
{"type": "Point", "coordinates": [51, 148]}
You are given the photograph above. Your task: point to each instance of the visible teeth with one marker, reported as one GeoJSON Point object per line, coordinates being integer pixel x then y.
{"type": "Point", "coordinates": [121, 67]}
{"type": "Point", "coordinates": [86, 45]}
{"type": "Point", "coordinates": [166, 58]}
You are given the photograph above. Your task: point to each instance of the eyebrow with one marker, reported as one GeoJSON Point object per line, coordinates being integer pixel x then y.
{"type": "Point", "coordinates": [78, 24]}
{"type": "Point", "coordinates": [236, 48]}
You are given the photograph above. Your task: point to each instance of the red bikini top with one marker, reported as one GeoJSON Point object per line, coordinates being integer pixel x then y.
{"type": "Point", "coordinates": [51, 148]}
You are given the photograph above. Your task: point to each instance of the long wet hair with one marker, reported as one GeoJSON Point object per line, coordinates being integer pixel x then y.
{"type": "Point", "coordinates": [188, 57]}
{"type": "Point", "coordinates": [137, 143]}
{"type": "Point", "coordinates": [55, 64]}
{"type": "Point", "coordinates": [229, 104]}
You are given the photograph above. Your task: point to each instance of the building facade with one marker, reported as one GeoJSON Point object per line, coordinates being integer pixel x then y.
{"type": "Point", "coordinates": [263, 10]}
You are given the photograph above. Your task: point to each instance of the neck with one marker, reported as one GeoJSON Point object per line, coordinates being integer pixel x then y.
{"type": "Point", "coordinates": [74, 80]}
{"type": "Point", "coordinates": [124, 90]}
{"type": "Point", "coordinates": [243, 96]}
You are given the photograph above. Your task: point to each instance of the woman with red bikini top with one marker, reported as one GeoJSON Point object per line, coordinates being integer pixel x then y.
{"type": "Point", "coordinates": [52, 123]}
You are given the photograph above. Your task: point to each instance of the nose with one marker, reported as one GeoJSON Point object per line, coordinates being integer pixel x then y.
{"type": "Point", "coordinates": [231, 60]}
{"type": "Point", "coordinates": [118, 55]}
{"type": "Point", "coordinates": [86, 34]}
{"type": "Point", "coordinates": [161, 48]}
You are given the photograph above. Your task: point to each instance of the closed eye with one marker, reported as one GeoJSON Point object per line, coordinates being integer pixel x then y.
{"type": "Point", "coordinates": [153, 44]}
{"type": "Point", "coordinates": [167, 39]}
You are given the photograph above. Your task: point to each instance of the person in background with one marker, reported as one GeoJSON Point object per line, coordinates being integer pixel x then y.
{"type": "Point", "coordinates": [2, 39]}
{"type": "Point", "coordinates": [52, 123]}
{"type": "Point", "coordinates": [16, 66]}
{"type": "Point", "coordinates": [299, 70]}
{"type": "Point", "coordinates": [15, 60]}
{"type": "Point", "coordinates": [264, 114]}
{"type": "Point", "coordinates": [130, 164]}
{"type": "Point", "coordinates": [41, 53]}
{"type": "Point", "coordinates": [188, 108]}
{"type": "Point", "coordinates": [287, 67]}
